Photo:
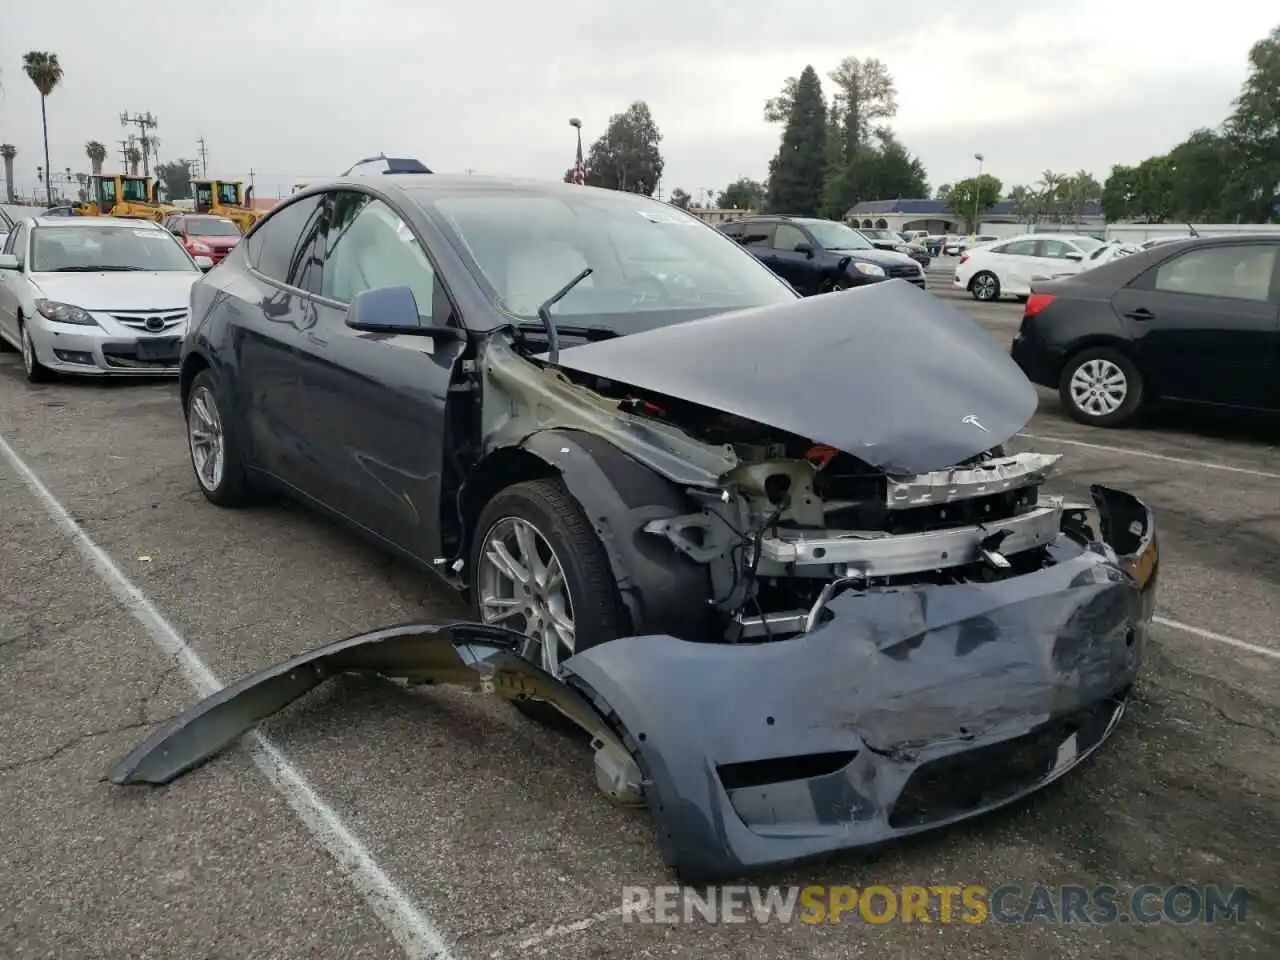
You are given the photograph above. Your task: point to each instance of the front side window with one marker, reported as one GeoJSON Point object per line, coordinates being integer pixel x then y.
{"type": "Point", "coordinates": [1240, 272]}
{"type": "Point", "coordinates": [1019, 248]}
{"type": "Point", "coordinates": [93, 248]}
{"type": "Point", "coordinates": [368, 247]}
{"type": "Point", "coordinates": [108, 188]}
{"type": "Point", "coordinates": [652, 264]}
{"type": "Point", "coordinates": [787, 237]}
{"type": "Point", "coordinates": [277, 239]}
{"type": "Point", "coordinates": [1056, 249]}
{"type": "Point", "coordinates": [838, 236]}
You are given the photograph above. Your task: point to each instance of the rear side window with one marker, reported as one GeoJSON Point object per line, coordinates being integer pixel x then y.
{"type": "Point", "coordinates": [275, 248]}
{"type": "Point", "coordinates": [756, 235]}
{"type": "Point", "coordinates": [1019, 248]}
{"type": "Point", "coordinates": [1241, 272]}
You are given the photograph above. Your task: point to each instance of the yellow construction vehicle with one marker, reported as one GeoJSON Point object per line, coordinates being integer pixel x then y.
{"type": "Point", "coordinates": [226, 198]}
{"type": "Point", "coordinates": [120, 195]}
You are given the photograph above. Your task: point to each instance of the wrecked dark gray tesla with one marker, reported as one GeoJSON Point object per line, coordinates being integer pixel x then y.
{"type": "Point", "coordinates": [771, 553]}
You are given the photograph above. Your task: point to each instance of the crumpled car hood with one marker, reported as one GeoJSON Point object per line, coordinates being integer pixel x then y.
{"type": "Point", "coordinates": [888, 373]}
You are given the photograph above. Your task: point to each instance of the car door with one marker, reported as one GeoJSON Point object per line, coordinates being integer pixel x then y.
{"type": "Point", "coordinates": [267, 332]}
{"type": "Point", "coordinates": [801, 270]}
{"type": "Point", "coordinates": [376, 402]}
{"type": "Point", "coordinates": [12, 282]}
{"type": "Point", "coordinates": [756, 236]}
{"type": "Point", "coordinates": [1206, 323]}
{"type": "Point", "coordinates": [1013, 263]}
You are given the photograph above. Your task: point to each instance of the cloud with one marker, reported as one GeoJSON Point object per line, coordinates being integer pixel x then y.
{"type": "Point", "coordinates": [296, 88]}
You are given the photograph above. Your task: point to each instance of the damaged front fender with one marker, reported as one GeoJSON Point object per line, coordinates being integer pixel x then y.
{"type": "Point", "coordinates": [481, 657]}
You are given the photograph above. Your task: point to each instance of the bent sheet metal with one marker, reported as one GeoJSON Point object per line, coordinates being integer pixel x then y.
{"type": "Point", "coordinates": [902, 709]}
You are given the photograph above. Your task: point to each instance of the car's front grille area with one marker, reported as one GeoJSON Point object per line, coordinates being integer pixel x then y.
{"type": "Point", "coordinates": [153, 321]}
{"type": "Point", "coordinates": [905, 270]}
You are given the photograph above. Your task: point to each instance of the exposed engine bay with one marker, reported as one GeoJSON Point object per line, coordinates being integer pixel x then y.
{"type": "Point", "coordinates": [794, 522]}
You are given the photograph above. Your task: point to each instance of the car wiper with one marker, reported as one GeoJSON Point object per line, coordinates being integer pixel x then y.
{"type": "Point", "coordinates": [93, 269]}
{"type": "Point", "coordinates": [544, 314]}
{"type": "Point", "coordinates": [586, 333]}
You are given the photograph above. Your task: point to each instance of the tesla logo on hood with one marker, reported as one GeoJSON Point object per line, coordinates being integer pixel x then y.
{"type": "Point", "coordinates": [973, 421]}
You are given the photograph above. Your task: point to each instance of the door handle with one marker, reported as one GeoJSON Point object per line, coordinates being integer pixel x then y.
{"type": "Point", "coordinates": [1142, 313]}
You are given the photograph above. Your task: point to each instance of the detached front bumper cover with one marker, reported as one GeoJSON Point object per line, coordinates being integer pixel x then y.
{"type": "Point", "coordinates": [902, 710]}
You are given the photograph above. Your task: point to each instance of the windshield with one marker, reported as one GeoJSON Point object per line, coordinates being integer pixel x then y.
{"type": "Point", "coordinates": [209, 227]}
{"type": "Point", "coordinates": [837, 236]}
{"type": "Point", "coordinates": [135, 190]}
{"type": "Point", "coordinates": [89, 248]}
{"type": "Point", "coordinates": [229, 194]}
{"type": "Point", "coordinates": [652, 264]}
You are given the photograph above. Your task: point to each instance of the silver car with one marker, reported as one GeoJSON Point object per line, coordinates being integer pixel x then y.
{"type": "Point", "coordinates": [95, 295]}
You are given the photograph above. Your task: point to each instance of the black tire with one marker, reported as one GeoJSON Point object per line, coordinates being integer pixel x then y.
{"type": "Point", "coordinates": [232, 488]}
{"type": "Point", "coordinates": [593, 597]}
{"type": "Point", "coordinates": [838, 284]}
{"type": "Point", "coordinates": [985, 286]}
{"type": "Point", "coordinates": [1135, 388]}
{"type": "Point", "coordinates": [36, 371]}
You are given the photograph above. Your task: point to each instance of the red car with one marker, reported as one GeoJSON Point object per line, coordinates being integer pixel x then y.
{"type": "Point", "coordinates": [204, 235]}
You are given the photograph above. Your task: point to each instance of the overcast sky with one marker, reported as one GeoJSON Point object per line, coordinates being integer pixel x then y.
{"type": "Point", "coordinates": [294, 88]}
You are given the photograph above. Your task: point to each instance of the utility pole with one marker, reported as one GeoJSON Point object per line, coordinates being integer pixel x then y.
{"type": "Point", "coordinates": [124, 153]}
{"type": "Point", "coordinates": [145, 123]}
{"type": "Point", "coordinates": [204, 158]}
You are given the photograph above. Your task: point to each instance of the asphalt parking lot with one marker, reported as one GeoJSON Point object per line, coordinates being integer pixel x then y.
{"type": "Point", "coordinates": [380, 821]}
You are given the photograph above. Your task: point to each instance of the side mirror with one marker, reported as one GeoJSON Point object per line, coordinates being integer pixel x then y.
{"type": "Point", "coordinates": [9, 262]}
{"type": "Point", "coordinates": [204, 263]}
{"type": "Point", "coordinates": [393, 310]}
{"type": "Point", "coordinates": [805, 248]}
{"type": "Point", "coordinates": [1076, 257]}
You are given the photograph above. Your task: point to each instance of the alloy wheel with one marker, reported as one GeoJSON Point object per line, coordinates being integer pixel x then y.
{"type": "Point", "coordinates": [522, 587]}
{"type": "Point", "coordinates": [985, 287]}
{"type": "Point", "coordinates": [1099, 387]}
{"type": "Point", "coordinates": [28, 351]}
{"type": "Point", "coordinates": [205, 435]}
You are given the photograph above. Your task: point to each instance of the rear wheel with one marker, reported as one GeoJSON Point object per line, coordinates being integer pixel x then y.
{"type": "Point", "coordinates": [36, 371]}
{"type": "Point", "coordinates": [985, 286]}
{"type": "Point", "coordinates": [1101, 387]}
{"type": "Point", "coordinates": [538, 568]}
{"type": "Point", "coordinates": [217, 455]}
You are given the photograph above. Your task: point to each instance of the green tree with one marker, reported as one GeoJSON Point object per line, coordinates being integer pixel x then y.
{"type": "Point", "coordinates": [627, 155]}
{"type": "Point", "coordinates": [175, 177]}
{"type": "Point", "coordinates": [43, 70]}
{"type": "Point", "coordinates": [942, 191]}
{"type": "Point", "coordinates": [797, 172]}
{"type": "Point", "coordinates": [97, 155]}
{"type": "Point", "coordinates": [864, 95]}
{"type": "Point", "coordinates": [742, 194]}
{"type": "Point", "coordinates": [974, 195]}
{"type": "Point", "coordinates": [858, 162]}
{"type": "Point", "coordinates": [681, 199]}
{"type": "Point", "coordinates": [1253, 130]}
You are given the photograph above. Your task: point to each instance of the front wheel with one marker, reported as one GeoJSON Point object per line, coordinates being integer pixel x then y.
{"type": "Point", "coordinates": [1101, 387]}
{"type": "Point", "coordinates": [985, 286]}
{"type": "Point", "coordinates": [36, 371]}
{"type": "Point", "coordinates": [216, 453]}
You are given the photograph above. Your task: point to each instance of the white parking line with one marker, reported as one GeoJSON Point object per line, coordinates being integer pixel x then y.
{"type": "Point", "coordinates": [1217, 637]}
{"type": "Point", "coordinates": [1248, 471]}
{"type": "Point", "coordinates": [416, 934]}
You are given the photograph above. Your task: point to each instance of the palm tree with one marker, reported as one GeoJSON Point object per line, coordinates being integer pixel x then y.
{"type": "Point", "coordinates": [97, 154]}
{"type": "Point", "coordinates": [133, 157]}
{"type": "Point", "coordinates": [8, 151]}
{"type": "Point", "coordinates": [45, 72]}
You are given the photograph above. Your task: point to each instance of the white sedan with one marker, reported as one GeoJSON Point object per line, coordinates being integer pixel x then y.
{"type": "Point", "coordinates": [1007, 269]}
{"type": "Point", "coordinates": [95, 295]}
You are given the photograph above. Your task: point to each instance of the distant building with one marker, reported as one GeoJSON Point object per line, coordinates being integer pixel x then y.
{"type": "Point", "coordinates": [717, 215]}
{"type": "Point", "coordinates": [937, 217]}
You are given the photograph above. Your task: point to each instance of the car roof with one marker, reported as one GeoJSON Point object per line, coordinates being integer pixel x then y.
{"type": "Point", "coordinates": [80, 221]}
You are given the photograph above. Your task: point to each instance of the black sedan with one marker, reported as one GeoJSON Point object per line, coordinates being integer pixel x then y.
{"type": "Point", "coordinates": [763, 548]}
{"type": "Point", "coordinates": [820, 256]}
{"type": "Point", "coordinates": [1195, 321]}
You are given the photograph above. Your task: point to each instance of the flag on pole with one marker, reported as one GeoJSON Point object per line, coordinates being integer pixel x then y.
{"type": "Point", "coordinates": [580, 167]}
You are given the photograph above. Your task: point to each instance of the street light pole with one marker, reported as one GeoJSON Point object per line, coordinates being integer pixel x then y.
{"type": "Point", "coordinates": [578, 163]}
{"type": "Point", "coordinates": [977, 191]}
